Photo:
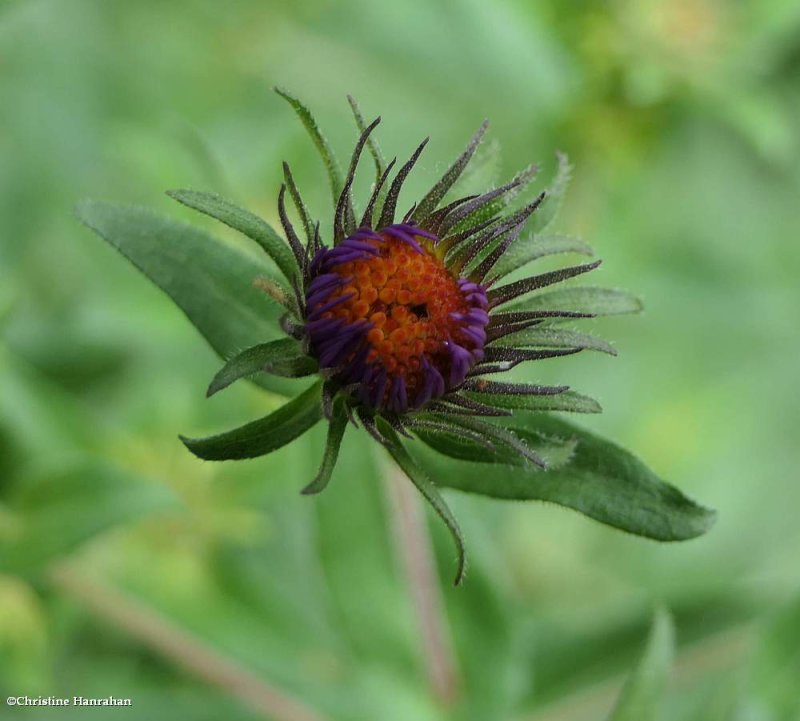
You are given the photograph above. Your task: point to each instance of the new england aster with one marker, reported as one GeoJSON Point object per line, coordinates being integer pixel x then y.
{"type": "Point", "coordinates": [405, 317]}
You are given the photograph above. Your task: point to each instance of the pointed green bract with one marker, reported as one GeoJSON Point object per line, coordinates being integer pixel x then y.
{"type": "Point", "coordinates": [429, 203]}
{"type": "Point", "coordinates": [601, 480]}
{"type": "Point", "coordinates": [244, 221]}
{"type": "Point", "coordinates": [581, 299]}
{"type": "Point", "coordinates": [325, 152]}
{"type": "Point", "coordinates": [555, 195]}
{"type": "Point", "coordinates": [528, 248]}
{"type": "Point", "coordinates": [372, 143]}
{"type": "Point", "coordinates": [455, 443]}
{"type": "Point", "coordinates": [568, 401]}
{"type": "Point", "coordinates": [641, 697]}
{"type": "Point", "coordinates": [264, 435]}
{"type": "Point", "coordinates": [337, 425]}
{"type": "Point", "coordinates": [210, 282]}
{"type": "Point", "coordinates": [300, 206]}
{"type": "Point", "coordinates": [428, 489]}
{"type": "Point", "coordinates": [548, 337]}
{"type": "Point", "coordinates": [282, 357]}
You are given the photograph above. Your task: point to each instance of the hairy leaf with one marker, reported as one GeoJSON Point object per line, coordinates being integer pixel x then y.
{"type": "Point", "coordinates": [566, 401]}
{"type": "Point", "coordinates": [539, 337]}
{"type": "Point", "coordinates": [282, 357]}
{"type": "Point", "coordinates": [210, 282]}
{"type": "Point", "coordinates": [582, 299]}
{"type": "Point", "coordinates": [264, 435]}
{"type": "Point", "coordinates": [601, 480]}
{"type": "Point", "coordinates": [244, 221]}
{"type": "Point", "coordinates": [532, 247]}
{"type": "Point", "coordinates": [336, 428]}
{"type": "Point", "coordinates": [325, 152]}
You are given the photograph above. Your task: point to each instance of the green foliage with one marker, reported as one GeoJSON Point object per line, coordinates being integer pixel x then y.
{"type": "Point", "coordinates": [641, 698]}
{"type": "Point", "coordinates": [600, 480]}
{"type": "Point", "coordinates": [282, 357]}
{"type": "Point", "coordinates": [244, 221]}
{"type": "Point", "coordinates": [210, 282]}
{"type": "Point", "coordinates": [321, 144]}
{"type": "Point", "coordinates": [265, 435]}
{"type": "Point", "coordinates": [53, 514]}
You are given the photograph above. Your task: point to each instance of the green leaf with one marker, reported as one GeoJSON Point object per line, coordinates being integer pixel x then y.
{"type": "Point", "coordinates": [556, 191]}
{"type": "Point", "coordinates": [544, 337]}
{"type": "Point", "coordinates": [567, 401]}
{"type": "Point", "coordinates": [328, 158]}
{"type": "Point", "coordinates": [50, 515]}
{"type": "Point", "coordinates": [264, 435]}
{"type": "Point", "coordinates": [245, 222]}
{"type": "Point", "coordinates": [455, 443]}
{"type": "Point", "coordinates": [282, 357]}
{"type": "Point", "coordinates": [640, 700]}
{"type": "Point", "coordinates": [372, 145]}
{"type": "Point", "coordinates": [336, 428]}
{"type": "Point", "coordinates": [582, 299]}
{"type": "Point", "coordinates": [431, 200]}
{"type": "Point", "coordinates": [601, 480]}
{"type": "Point", "coordinates": [210, 282]}
{"type": "Point", "coordinates": [528, 248]}
{"type": "Point", "coordinates": [428, 489]}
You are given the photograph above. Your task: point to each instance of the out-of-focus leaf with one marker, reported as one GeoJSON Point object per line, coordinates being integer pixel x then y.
{"type": "Point", "coordinates": [244, 221]}
{"type": "Point", "coordinates": [776, 667]}
{"type": "Point", "coordinates": [538, 337]}
{"type": "Point", "coordinates": [640, 700]}
{"type": "Point", "coordinates": [210, 282]}
{"type": "Point", "coordinates": [264, 435]}
{"type": "Point", "coordinates": [555, 195]}
{"type": "Point", "coordinates": [53, 513]}
{"type": "Point", "coordinates": [582, 299]}
{"type": "Point", "coordinates": [282, 357]}
{"type": "Point", "coordinates": [601, 480]}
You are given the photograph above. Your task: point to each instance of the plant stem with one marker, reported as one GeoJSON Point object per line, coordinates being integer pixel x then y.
{"type": "Point", "coordinates": [415, 552]}
{"type": "Point", "coordinates": [181, 647]}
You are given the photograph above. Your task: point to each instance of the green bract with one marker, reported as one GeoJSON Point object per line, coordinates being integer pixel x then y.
{"type": "Point", "coordinates": [461, 430]}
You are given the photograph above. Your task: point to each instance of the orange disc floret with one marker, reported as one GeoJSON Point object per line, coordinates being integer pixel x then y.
{"type": "Point", "coordinates": [389, 316]}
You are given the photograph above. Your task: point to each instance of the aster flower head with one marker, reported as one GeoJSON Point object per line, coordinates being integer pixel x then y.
{"type": "Point", "coordinates": [407, 318]}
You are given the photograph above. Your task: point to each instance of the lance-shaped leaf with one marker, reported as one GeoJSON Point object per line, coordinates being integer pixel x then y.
{"type": "Point", "coordinates": [641, 697]}
{"type": "Point", "coordinates": [336, 428]}
{"type": "Point", "coordinates": [568, 401]}
{"type": "Point", "coordinates": [582, 299]}
{"type": "Point", "coordinates": [548, 337]}
{"type": "Point", "coordinates": [282, 357]}
{"type": "Point", "coordinates": [428, 489]}
{"type": "Point", "coordinates": [321, 144]}
{"type": "Point", "coordinates": [601, 480]}
{"type": "Point", "coordinates": [264, 435]}
{"type": "Point", "coordinates": [244, 221]}
{"type": "Point", "coordinates": [452, 439]}
{"type": "Point", "coordinates": [210, 282]}
{"type": "Point", "coordinates": [555, 194]}
{"type": "Point", "coordinates": [530, 247]}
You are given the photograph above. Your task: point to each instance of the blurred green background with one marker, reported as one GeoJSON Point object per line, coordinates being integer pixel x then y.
{"type": "Point", "coordinates": [683, 120]}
